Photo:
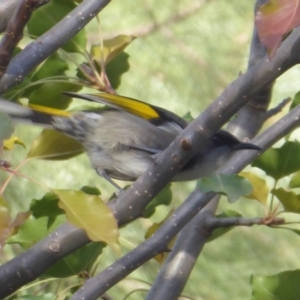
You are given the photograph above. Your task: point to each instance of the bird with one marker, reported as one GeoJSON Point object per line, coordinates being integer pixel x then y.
{"type": "Point", "coordinates": [123, 138]}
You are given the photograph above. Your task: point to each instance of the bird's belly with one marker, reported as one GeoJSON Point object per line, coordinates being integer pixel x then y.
{"type": "Point", "coordinates": [125, 165]}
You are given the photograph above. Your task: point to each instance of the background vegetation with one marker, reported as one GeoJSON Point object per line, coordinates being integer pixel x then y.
{"type": "Point", "coordinates": [186, 52]}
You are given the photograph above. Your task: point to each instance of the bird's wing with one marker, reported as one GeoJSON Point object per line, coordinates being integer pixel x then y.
{"type": "Point", "coordinates": [154, 114]}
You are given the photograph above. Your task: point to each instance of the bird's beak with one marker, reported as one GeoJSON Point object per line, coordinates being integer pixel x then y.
{"type": "Point", "coordinates": [246, 146]}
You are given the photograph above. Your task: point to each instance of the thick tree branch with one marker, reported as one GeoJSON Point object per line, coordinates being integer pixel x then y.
{"type": "Point", "coordinates": [192, 205]}
{"type": "Point", "coordinates": [243, 125]}
{"type": "Point", "coordinates": [7, 9]}
{"type": "Point", "coordinates": [14, 31]}
{"type": "Point", "coordinates": [156, 244]}
{"type": "Point", "coordinates": [198, 132]}
{"type": "Point", "coordinates": [189, 244]}
{"type": "Point", "coordinates": [31, 264]}
{"type": "Point", "coordinates": [169, 284]}
{"type": "Point", "coordinates": [48, 43]}
{"type": "Point", "coordinates": [181, 260]}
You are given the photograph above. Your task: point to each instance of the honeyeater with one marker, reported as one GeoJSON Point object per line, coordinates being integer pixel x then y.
{"type": "Point", "coordinates": [123, 138]}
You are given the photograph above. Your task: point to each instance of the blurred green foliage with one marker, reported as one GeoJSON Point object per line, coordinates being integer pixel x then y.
{"type": "Point", "coordinates": [185, 54]}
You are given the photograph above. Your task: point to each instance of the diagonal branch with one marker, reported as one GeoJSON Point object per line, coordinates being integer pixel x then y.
{"type": "Point", "coordinates": [7, 10]}
{"type": "Point", "coordinates": [192, 205]}
{"type": "Point", "coordinates": [243, 125]}
{"type": "Point", "coordinates": [192, 238]}
{"type": "Point", "coordinates": [14, 31]}
{"type": "Point", "coordinates": [196, 135]}
{"type": "Point", "coordinates": [48, 43]}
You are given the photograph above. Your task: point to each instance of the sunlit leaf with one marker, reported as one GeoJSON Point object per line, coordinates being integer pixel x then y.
{"type": "Point", "coordinates": [14, 140]}
{"type": "Point", "coordinates": [295, 181]}
{"type": "Point", "coordinates": [233, 186]}
{"type": "Point", "coordinates": [260, 190]}
{"type": "Point", "coordinates": [280, 162]}
{"type": "Point", "coordinates": [274, 20]}
{"type": "Point", "coordinates": [53, 145]}
{"type": "Point", "coordinates": [294, 230]}
{"type": "Point", "coordinates": [92, 214]}
{"type": "Point", "coordinates": [111, 48]}
{"type": "Point", "coordinates": [289, 200]}
{"type": "Point", "coordinates": [282, 286]}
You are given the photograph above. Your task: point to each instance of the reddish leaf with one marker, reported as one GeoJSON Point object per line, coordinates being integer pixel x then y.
{"type": "Point", "coordinates": [274, 20]}
{"type": "Point", "coordinates": [7, 224]}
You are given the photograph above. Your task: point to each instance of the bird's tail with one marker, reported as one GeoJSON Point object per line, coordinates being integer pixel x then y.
{"type": "Point", "coordinates": [34, 114]}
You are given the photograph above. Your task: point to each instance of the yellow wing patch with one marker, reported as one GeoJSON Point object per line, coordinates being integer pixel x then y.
{"type": "Point", "coordinates": [49, 110]}
{"type": "Point", "coordinates": [133, 106]}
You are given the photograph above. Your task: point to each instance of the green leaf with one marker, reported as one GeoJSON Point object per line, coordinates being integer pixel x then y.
{"type": "Point", "coordinates": [50, 94]}
{"type": "Point", "coordinates": [90, 213]}
{"type": "Point", "coordinates": [49, 15]}
{"type": "Point", "coordinates": [17, 91]}
{"type": "Point", "coordinates": [280, 162]}
{"type": "Point", "coordinates": [221, 231]}
{"type": "Point", "coordinates": [233, 186]}
{"type": "Point", "coordinates": [33, 230]}
{"type": "Point", "coordinates": [54, 145]}
{"type": "Point", "coordinates": [289, 200]}
{"type": "Point", "coordinates": [282, 286]}
{"type": "Point", "coordinates": [188, 117]}
{"type": "Point", "coordinates": [116, 68]}
{"type": "Point", "coordinates": [46, 207]}
{"type": "Point", "coordinates": [76, 262]}
{"type": "Point", "coordinates": [295, 181]}
{"type": "Point", "coordinates": [296, 101]}
{"type": "Point", "coordinates": [53, 66]}
{"type": "Point", "coordinates": [297, 231]}
{"type": "Point", "coordinates": [91, 190]}
{"type": "Point", "coordinates": [163, 198]}
{"type": "Point", "coordinates": [6, 128]}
